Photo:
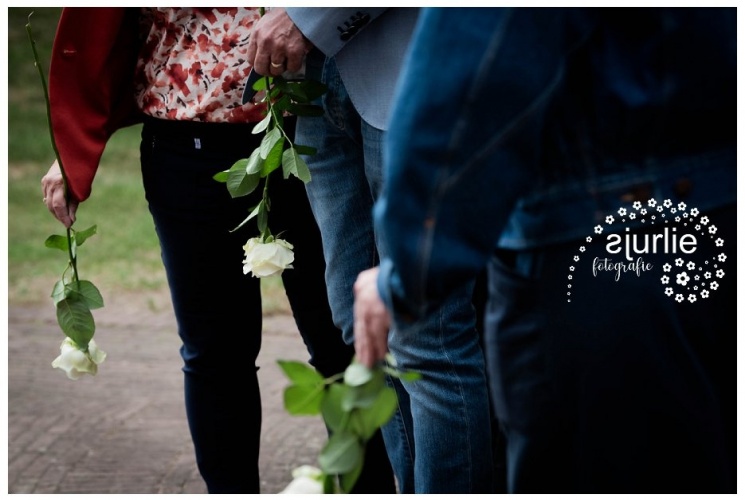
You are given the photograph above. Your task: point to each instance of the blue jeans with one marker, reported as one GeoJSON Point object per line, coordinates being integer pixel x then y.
{"type": "Point", "coordinates": [440, 439]}
{"type": "Point", "coordinates": [218, 308]}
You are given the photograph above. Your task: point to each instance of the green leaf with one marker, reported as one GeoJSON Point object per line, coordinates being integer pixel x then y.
{"type": "Point", "coordinates": [303, 399]}
{"type": "Point", "coordinates": [261, 83]}
{"type": "Point", "coordinates": [293, 164]}
{"type": "Point", "coordinates": [239, 183]}
{"type": "Point", "coordinates": [357, 374]}
{"type": "Point", "coordinates": [58, 242]}
{"type": "Point", "coordinates": [274, 158]}
{"type": "Point", "coordinates": [365, 421]}
{"type": "Point", "coordinates": [242, 184]}
{"type": "Point", "coordinates": [253, 214]}
{"type": "Point", "coordinates": [305, 109]}
{"type": "Point", "coordinates": [391, 360]}
{"type": "Point", "coordinates": [291, 89]}
{"type": "Point", "coordinates": [262, 125]}
{"type": "Point", "coordinates": [331, 406]}
{"type": "Point", "coordinates": [273, 93]}
{"type": "Point", "coordinates": [76, 320]}
{"type": "Point", "coordinates": [88, 292]}
{"type": "Point", "coordinates": [365, 395]}
{"type": "Point", "coordinates": [403, 375]}
{"type": "Point", "coordinates": [58, 292]}
{"type": "Point", "coordinates": [329, 486]}
{"type": "Point", "coordinates": [254, 163]}
{"type": "Point", "coordinates": [268, 142]}
{"type": "Point", "coordinates": [305, 150]}
{"type": "Point", "coordinates": [81, 236]}
{"type": "Point", "coordinates": [342, 453]}
{"type": "Point", "coordinates": [303, 91]}
{"type": "Point", "coordinates": [300, 373]}
{"type": "Point", "coordinates": [221, 176]}
{"type": "Point", "coordinates": [313, 89]}
{"type": "Point", "coordinates": [349, 479]}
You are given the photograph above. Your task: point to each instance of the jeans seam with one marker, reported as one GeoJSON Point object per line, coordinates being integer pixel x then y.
{"type": "Point", "coordinates": [462, 401]}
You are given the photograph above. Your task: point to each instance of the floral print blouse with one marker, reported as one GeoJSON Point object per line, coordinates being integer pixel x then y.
{"type": "Point", "coordinates": [192, 65]}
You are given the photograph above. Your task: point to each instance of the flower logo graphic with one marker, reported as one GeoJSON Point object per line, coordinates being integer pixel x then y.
{"type": "Point", "coordinates": [677, 283]}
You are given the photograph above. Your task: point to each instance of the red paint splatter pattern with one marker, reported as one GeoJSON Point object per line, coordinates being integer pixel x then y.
{"type": "Point", "coordinates": [192, 65]}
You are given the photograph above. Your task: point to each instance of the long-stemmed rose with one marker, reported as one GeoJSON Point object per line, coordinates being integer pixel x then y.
{"type": "Point", "coordinates": [277, 150]}
{"type": "Point", "coordinates": [354, 405]}
{"type": "Point", "coordinates": [73, 298]}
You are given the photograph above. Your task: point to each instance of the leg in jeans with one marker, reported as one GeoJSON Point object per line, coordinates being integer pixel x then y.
{"type": "Point", "coordinates": [218, 309]}
{"type": "Point", "coordinates": [306, 291]}
{"type": "Point", "coordinates": [346, 178]}
{"type": "Point", "coordinates": [194, 215]}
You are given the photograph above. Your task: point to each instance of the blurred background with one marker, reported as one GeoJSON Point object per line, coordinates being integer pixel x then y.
{"type": "Point", "coordinates": [124, 430]}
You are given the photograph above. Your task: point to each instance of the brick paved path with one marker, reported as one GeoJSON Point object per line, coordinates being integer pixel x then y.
{"type": "Point", "coordinates": [124, 430]}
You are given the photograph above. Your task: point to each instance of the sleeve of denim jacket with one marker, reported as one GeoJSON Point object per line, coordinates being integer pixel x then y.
{"type": "Point", "coordinates": [331, 28]}
{"type": "Point", "coordinates": [463, 145]}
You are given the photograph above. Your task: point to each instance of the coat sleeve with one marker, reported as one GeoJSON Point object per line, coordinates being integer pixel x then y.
{"type": "Point", "coordinates": [91, 87]}
{"type": "Point", "coordinates": [331, 28]}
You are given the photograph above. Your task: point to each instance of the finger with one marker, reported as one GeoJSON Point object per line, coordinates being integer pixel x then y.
{"type": "Point", "coordinates": [362, 347]}
{"type": "Point", "coordinates": [277, 66]}
{"type": "Point", "coordinates": [295, 61]}
{"type": "Point", "coordinates": [262, 63]}
{"type": "Point", "coordinates": [58, 206]}
{"type": "Point", "coordinates": [72, 210]}
{"type": "Point", "coordinates": [251, 51]}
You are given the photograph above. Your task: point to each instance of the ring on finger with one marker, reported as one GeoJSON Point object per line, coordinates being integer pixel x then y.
{"type": "Point", "coordinates": [275, 65]}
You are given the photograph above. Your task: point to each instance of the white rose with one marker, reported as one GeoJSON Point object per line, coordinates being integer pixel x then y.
{"type": "Point", "coordinates": [307, 480]}
{"type": "Point", "coordinates": [267, 259]}
{"type": "Point", "coordinates": [75, 362]}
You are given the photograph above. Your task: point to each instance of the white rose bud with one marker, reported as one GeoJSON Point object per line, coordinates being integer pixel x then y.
{"type": "Point", "coordinates": [307, 480]}
{"type": "Point", "coordinates": [76, 362]}
{"type": "Point", "coordinates": [267, 259]}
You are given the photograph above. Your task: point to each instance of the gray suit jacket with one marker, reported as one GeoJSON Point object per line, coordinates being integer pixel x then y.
{"type": "Point", "coordinates": [368, 43]}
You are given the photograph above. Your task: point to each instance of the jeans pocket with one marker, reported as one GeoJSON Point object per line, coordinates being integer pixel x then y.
{"type": "Point", "coordinates": [514, 337]}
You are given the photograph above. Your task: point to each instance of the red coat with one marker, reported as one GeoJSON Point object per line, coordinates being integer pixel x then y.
{"type": "Point", "coordinates": [91, 87]}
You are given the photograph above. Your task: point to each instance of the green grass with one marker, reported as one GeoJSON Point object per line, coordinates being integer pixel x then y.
{"type": "Point", "coordinates": [124, 256]}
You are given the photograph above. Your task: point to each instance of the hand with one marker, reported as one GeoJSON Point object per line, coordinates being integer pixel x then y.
{"type": "Point", "coordinates": [276, 44]}
{"type": "Point", "coordinates": [371, 320]}
{"type": "Point", "coordinates": [53, 190]}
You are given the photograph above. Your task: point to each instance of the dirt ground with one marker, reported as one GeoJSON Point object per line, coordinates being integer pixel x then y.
{"type": "Point", "coordinates": [124, 431]}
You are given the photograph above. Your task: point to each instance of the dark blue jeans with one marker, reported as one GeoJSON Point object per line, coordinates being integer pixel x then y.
{"type": "Point", "coordinates": [218, 308]}
{"type": "Point", "coordinates": [623, 390]}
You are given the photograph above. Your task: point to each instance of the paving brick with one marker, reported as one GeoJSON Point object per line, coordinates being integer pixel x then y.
{"type": "Point", "coordinates": [125, 430]}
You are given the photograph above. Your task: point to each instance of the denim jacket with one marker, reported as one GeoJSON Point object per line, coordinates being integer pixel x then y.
{"type": "Point", "coordinates": [546, 120]}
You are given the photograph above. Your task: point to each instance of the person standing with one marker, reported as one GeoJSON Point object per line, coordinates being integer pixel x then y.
{"type": "Point", "coordinates": [571, 120]}
{"type": "Point", "coordinates": [440, 439]}
{"type": "Point", "coordinates": [181, 72]}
